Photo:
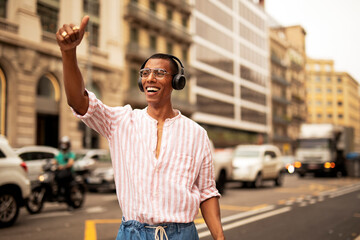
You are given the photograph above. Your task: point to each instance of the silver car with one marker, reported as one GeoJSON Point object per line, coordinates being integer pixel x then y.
{"type": "Point", "coordinates": [35, 158]}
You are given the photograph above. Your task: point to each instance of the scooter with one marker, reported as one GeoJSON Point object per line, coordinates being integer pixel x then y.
{"type": "Point", "coordinates": [46, 189]}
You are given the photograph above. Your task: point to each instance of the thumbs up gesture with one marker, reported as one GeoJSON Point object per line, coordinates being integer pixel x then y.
{"type": "Point", "coordinates": [70, 36]}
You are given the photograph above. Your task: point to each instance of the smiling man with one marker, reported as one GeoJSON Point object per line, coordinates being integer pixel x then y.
{"type": "Point", "coordinates": [162, 160]}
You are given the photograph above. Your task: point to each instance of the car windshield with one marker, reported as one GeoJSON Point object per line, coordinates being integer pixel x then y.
{"type": "Point", "coordinates": [314, 143]}
{"type": "Point", "coordinates": [245, 153]}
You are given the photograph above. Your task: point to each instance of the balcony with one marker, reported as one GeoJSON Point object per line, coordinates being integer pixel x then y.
{"type": "Point", "coordinates": [281, 120]}
{"type": "Point", "coordinates": [136, 53]}
{"type": "Point", "coordinates": [281, 100]}
{"type": "Point", "coordinates": [280, 80]}
{"type": "Point", "coordinates": [7, 26]}
{"type": "Point", "coordinates": [148, 19]}
{"type": "Point", "coordinates": [275, 59]}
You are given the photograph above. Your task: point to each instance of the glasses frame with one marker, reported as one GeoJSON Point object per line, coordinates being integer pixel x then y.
{"type": "Point", "coordinates": [155, 72]}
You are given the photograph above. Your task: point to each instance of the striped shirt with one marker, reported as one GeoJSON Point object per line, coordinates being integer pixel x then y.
{"type": "Point", "coordinates": [154, 190]}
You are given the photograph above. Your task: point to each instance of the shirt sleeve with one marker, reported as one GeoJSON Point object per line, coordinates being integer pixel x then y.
{"type": "Point", "coordinates": [98, 116]}
{"type": "Point", "coordinates": [206, 178]}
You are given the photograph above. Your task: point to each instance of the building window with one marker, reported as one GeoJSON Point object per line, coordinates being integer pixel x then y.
{"type": "Point", "coordinates": [317, 79]}
{"type": "Point", "coordinates": [152, 5]}
{"type": "Point", "coordinates": [339, 103]}
{"type": "Point", "coordinates": [134, 76]}
{"type": "Point", "coordinates": [153, 42]}
{"type": "Point", "coordinates": [317, 67]}
{"type": "Point", "coordinates": [134, 35]}
{"type": "Point", "coordinates": [329, 103]}
{"type": "Point", "coordinates": [339, 79]}
{"type": "Point", "coordinates": [339, 90]}
{"type": "Point", "coordinates": [184, 21]}
{"type": "Point", "coordinates": [318, 90]}
{"type": "Point", "coordinates": [3, 4]}
{"type": "Point", "coordinates": [328, 79]}
{"type": "Point", "coordinates": [169, 48]}
{"type": "Point", "coordinates": [340, 116]}
{"type": "Point", "coordinates": [169, 15]}
{"type": "Point", "coordinates": [92, 8]}
{"type": "Point", "coordinates": [329, 90]}
{"type": "Point", "coordinates": [48, 10]}
{"type": "Point", "coordinates": [319, 115]}
{"type": "Point", "coordinates": [329, 115]}
{"type": "Point", "coordinates": [185, 55]}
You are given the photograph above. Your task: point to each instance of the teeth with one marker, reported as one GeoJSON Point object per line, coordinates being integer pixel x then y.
{"type": "Point", "coordinates": [152, 89]}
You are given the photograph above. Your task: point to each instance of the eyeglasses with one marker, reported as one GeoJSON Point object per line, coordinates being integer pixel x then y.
{"type": "Point", "coordinates": [158, 72]}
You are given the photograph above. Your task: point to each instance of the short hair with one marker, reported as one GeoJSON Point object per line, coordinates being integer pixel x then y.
{"type": "Point", "coordinates": [173, 65]}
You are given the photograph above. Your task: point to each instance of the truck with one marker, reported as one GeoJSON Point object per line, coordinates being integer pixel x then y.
{"type": "Point", "coordinates": [322, 149]}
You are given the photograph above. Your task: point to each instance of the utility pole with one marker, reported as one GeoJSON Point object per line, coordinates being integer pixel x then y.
{"type": "Point", "coordinates": [89, 70]}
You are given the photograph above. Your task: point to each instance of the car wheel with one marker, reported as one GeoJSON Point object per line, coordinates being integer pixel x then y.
{"type": "Point", "coordinates": [35, 202]}
{"type": "Point", "coordinates": [258, 181]}
{"type": "Point", "coordinates": [9, 208]}
{"type": "Point", "coordinates": [280, 179]}
{"type": "Point", "coordinates": [220, 183]}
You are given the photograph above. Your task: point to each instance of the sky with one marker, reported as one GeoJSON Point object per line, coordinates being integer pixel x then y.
{"type": "Point", "coordinates": [332, 29]}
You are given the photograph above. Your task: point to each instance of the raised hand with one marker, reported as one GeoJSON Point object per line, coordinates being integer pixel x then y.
{"type": "Point", "coordinates": [70, 35]}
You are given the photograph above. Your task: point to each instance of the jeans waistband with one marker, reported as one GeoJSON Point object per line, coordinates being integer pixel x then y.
{"type": "Point", "coordinates": [169, 226]}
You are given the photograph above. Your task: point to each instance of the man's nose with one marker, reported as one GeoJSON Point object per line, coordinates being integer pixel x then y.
{"type": "Point", "coordinates": [152, 76]}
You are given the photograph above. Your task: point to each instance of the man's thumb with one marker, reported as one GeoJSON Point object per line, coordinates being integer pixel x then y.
{"type": "Point", "coordinates": [84, 23]}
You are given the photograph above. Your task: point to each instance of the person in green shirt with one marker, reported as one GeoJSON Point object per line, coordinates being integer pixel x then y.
{"type": "Point", "coordinates": [65, 161]}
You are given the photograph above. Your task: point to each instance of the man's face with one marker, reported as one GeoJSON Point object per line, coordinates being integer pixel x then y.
{"type": "Point", "coordinates": [158, 89]}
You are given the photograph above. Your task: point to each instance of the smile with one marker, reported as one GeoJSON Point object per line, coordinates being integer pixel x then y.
{"type": "Point", "coordinates": [152, 89]}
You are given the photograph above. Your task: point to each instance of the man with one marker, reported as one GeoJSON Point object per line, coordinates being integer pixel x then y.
{"type": "Point", "coordinates": [65, 161]}
{"type": "Point", "coordinates": [162, 160]}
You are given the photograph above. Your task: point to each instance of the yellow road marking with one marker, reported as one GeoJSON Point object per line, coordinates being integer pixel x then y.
{"type": "Point", "coordinates": [90, 227]}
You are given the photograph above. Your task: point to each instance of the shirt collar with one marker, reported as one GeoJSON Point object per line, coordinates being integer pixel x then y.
{"type": "Point", "coordinates": [168, 121]}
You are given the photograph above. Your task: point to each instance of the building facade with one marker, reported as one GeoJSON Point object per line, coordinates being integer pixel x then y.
{"type": "Point", "coordinates": [333, 97]}
{"type": "Point", "coordinates": [288, 88]}
{"type": "Point", "coordinates": [230, 58]}
{"type": "Point", "coordinates": [34, 110]}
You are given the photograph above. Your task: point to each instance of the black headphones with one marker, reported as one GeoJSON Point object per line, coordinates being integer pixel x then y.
{"type": "Point", "coordinates": [178, 82]}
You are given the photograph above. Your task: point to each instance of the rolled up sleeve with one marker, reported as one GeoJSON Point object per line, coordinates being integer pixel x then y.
{"type": "Point", "coordinates": [206, 178]}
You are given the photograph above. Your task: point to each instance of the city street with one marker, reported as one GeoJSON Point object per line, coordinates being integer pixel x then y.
{"type": "Point", "coordinates": [304, 208]}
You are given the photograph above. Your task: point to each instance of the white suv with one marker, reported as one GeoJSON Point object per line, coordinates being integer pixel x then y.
{"type": "Point", "coordinates": [253, 164]}
{"type": "Point", "coordinates": [14, 184]}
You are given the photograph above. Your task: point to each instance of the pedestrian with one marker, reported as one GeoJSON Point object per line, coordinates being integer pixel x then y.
{"type": "Point", "coordinates": [162, 160]}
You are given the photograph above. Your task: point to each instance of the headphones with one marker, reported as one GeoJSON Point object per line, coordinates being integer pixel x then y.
{"type": "Point", "coordinates": [178, 82]}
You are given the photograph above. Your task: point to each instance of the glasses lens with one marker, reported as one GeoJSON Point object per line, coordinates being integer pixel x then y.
{"type": "Point", "coordinates": [145, 73]}
{"type": "Point", "coordinates": [160, 73]}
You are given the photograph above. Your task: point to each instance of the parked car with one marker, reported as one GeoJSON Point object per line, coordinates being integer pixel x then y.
{"type": "Point", "coordinates": [14, 184]}
{"type": "Point", "coordinates": [86, 159]}
{"type": "Point", "coordinates": [101, 176]}
{"type": "Point", "coordinates": [223, 167]}
{"type": "Point", "coordinates": [35, 158]}
{"type": "Point", "coordinates": [252, 164]}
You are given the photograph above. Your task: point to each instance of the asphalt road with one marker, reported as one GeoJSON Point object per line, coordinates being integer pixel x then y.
{"type": "Point", "coordinates": [304, 208]}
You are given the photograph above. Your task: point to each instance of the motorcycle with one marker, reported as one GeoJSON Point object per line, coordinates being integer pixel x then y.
{"type": "Point", "coordinates": [46, 189]}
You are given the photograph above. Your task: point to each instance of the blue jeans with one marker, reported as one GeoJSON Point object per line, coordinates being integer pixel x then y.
{"type": "Point", "coordinates": [134, 230]}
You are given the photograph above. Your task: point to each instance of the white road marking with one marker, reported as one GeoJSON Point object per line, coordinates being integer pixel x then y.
{"type": "Point", "coordinates": [238, 216]}
{"type": "Point", "coordinates": [249, 220]}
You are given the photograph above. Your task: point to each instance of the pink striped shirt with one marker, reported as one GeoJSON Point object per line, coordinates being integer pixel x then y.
{"type": "Point", "coordinates": [151, 190]}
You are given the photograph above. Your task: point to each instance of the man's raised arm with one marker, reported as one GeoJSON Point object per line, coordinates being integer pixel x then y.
{"type": "Point", "coordinates": [68, 38]}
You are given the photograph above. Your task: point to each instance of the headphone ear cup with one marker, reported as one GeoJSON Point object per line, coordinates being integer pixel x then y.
{"type": "Point", "coordinates": [178, 82]}
{"type": "Point", "coordinates": [141, 87]}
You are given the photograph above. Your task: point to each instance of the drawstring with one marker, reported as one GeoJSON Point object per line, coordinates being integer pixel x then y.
{"type": "Point", "coordinates": [161, 231]}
